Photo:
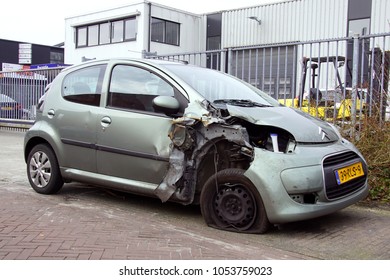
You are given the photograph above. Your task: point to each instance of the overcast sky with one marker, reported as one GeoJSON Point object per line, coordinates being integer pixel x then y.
{"type": "Point", "coordinates": [43, 21]}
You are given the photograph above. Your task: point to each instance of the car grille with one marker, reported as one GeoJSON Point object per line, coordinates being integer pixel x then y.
{"type": "Point", "coordinates": [331, 164]}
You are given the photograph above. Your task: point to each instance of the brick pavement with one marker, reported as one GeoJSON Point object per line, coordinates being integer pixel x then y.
{"type": "Point", "coordinates": [83, 222]}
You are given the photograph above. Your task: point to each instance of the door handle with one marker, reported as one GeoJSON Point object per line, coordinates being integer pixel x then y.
{"type": "Point", "coordinates": [105, 122]}
{"type": "Point", "coordinates": [51, 113]}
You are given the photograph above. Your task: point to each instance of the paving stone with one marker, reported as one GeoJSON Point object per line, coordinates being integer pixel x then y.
{"type": "Point", "coordinates": [82, 222]}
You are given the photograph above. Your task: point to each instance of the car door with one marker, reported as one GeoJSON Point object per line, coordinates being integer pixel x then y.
{"type": "Point", "coordinates": [75, 116]}
{"type": "Point", "coordinates": [133, 141]}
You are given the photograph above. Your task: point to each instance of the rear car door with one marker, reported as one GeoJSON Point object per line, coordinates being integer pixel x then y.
{"type": "Point", "coordinates": [75, 116]}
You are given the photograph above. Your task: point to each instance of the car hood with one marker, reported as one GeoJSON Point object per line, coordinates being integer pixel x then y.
{"type": "Point", "coordinates": [302, 126]}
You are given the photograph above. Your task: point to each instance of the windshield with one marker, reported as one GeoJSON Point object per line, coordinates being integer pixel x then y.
{"type": "Point", "coordinates": [218, 87]}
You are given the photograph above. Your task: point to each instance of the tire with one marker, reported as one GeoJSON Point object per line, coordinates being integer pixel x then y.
{"type": "Point", "coordinates": [230, 201]}
{"type": "Point", "coordinates": [43, 171]}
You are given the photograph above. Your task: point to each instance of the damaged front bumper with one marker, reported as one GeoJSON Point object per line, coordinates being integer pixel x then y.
{"type": "Point", "coordinates": [282, 179]}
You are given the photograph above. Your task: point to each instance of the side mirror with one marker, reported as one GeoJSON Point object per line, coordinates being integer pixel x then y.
{"type": "Point", "coordinates": [166, 104]}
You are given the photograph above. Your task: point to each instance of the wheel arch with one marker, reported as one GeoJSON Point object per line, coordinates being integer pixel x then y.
{"type": "Point", "coordinates": [44, 134]}
{"type": "Point", "coordinates": [223, 149]}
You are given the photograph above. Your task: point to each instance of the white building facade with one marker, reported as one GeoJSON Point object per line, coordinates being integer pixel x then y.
{"type": "Point", "coordinates": [264, 45]}
{"type": "Point", "coordinates": [132, 30]}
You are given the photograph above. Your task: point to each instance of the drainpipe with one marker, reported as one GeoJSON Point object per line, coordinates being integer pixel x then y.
{"type": "Point", "coordinates": [150, 25]}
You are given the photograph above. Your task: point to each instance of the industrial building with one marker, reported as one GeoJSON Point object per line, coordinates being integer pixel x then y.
{"type": "Point", "coordinates": [153, 28]}
{"type": "Point", "coordinates": [16, 55]}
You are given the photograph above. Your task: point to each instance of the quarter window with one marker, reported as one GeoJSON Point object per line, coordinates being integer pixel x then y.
{"type": "Point", "coordinates": [84, 86]}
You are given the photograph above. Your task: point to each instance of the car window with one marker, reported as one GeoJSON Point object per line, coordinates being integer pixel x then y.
{"type": "Point", "coordinates": [84, 86]}
{"type": "Point", "coordinates": [214, 85]}
{"type": "Point", "coordinates": [135, 88]}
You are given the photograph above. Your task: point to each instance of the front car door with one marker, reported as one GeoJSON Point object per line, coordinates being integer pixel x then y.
{"type": "Point", "coordinates": [133, 141]}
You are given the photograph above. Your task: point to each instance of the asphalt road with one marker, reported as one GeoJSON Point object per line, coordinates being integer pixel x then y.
{"type": "Point", "coordinates": [85, 222]}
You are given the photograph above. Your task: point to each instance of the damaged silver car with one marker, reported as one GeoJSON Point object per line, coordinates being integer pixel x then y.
{"type": "Point", "coordinates": [194, 136]}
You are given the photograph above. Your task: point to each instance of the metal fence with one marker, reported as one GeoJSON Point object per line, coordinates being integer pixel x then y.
{"type": "Point", "coordinates": [339, 80]}
{"type": "Point", "coordinates": [19, 94]}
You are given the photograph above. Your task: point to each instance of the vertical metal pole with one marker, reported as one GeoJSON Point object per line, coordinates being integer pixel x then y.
{"type": "Point", "coordinates": [249, 66]}
{"type": "Point", "coordinates": [285, 75]}
{"type": "Point", "coordinates": [270, 73]}
{"type": "Point", "coordinates": [256, 69]}
{"type": "Point", "coordinates": [263, 73]}
{"type": "Point", "coordinates": [277, 76]}
{"type": "Point", "coordinates": [222, 62]}
{"type": "Point", "coordinates": [294, 74]}
{"type": "Point", "coordinates": [382, 101]}
{"type": "Point", "coordinates": [243, 65]}
{"type": "Point", "coordinates": [355, 73]}
{"type": "Point", "coordinates": [230, 60]}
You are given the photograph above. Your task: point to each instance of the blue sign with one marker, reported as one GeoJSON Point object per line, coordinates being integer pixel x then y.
{"type": "Point", "coordinates": [48, 65]}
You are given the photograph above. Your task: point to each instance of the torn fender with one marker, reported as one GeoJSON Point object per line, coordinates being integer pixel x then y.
{"type": "Point", "coordinates": [192, 138]}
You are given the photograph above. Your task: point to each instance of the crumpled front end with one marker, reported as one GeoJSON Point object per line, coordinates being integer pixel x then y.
{"type": "Point", "coordinates": [198, 143]}
{"type": "Point", "coordinates": [296, 180]}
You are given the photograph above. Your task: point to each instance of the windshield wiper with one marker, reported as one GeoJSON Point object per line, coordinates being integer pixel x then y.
{"type": "Point", "coordinates": [241, 102]}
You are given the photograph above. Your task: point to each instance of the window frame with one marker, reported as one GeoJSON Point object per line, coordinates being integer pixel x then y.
{"type": "Point", "coordinates": [79, 35]}
{"type": "Point", "coordinates": [90, 97]}
{"type": "Point", "coordinates": [183, 100]}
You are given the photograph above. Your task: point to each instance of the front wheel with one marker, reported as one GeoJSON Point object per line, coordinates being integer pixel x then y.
{"type": "Point", "coordinates": [230, 201]}
{"type": "Point", "coordinates": [43, 171]}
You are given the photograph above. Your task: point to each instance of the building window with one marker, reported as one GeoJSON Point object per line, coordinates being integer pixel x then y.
{"type": "Point", "coordinates": [82, 37]}
{"type": "Point", "coordinates": [117, 31]}
{"type": "Point", "coordinates": [164, 31]}
{"type": "Point", "coordinates": [93, 35]}
{"type": "Point", "coordinates": [130, 29]}
{"type": "Point", "coordinates": [106, 32]}
{"type": "Point", "coordinates": [56, 57]}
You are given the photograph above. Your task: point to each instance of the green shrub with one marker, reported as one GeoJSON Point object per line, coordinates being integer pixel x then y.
{"type": "Point", "coordinates": [373, 141]}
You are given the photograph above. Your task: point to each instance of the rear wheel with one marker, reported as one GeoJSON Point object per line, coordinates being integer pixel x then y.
{"type": "Point", "coordinates": [43, 171]}
{"type": "Point", "coordinates": [230, 201]}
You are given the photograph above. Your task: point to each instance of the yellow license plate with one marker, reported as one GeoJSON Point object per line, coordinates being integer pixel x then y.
{"type": "Point", "coordinates": [348, 173]}
{"type": "Point", "coordinates": [6, 108]}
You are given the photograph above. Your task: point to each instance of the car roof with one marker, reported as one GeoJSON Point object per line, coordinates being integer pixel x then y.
{"type": "Point", "coordinates": [5, 98]}
{"type": "Point", "coordinates": [124, 59]}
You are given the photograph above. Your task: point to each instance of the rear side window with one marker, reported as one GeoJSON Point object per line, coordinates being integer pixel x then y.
{"type": "Point", "coordinates": [84, 86]}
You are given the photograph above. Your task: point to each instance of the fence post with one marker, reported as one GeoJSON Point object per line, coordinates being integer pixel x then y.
{"type": "Point", "coordinates": [230, 61]}
{"type": "Point", "coordinates": [355, 72]}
